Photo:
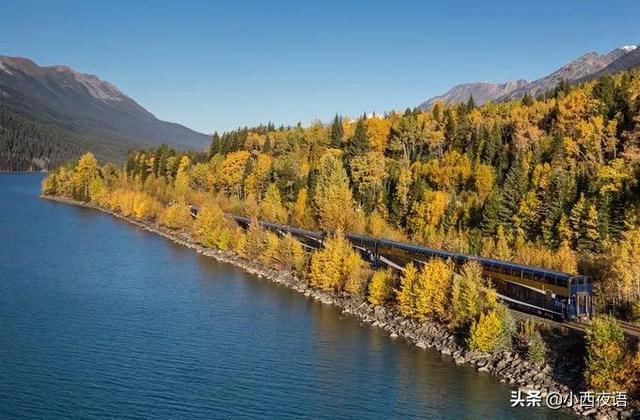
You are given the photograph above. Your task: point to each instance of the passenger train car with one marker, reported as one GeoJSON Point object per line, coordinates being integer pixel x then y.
{"type": "Point", "coordinates": [532, 289]}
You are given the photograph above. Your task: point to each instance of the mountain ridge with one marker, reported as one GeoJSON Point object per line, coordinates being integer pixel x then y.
{"type": "Point", "coordinates": [582, 68]}
{"type": "Point", "coordinates": [85, 105]}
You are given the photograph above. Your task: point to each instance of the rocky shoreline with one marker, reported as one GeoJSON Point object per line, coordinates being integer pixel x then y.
{"type": "Point", "coordinates": [509, 367]}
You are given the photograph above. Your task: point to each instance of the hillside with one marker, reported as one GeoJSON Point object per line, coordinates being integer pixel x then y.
{"type": "Point", "coordinates": [60, 100]}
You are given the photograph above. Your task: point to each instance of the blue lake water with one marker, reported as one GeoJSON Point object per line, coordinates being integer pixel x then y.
{"type": "Point", "coordinates": [99, 318]}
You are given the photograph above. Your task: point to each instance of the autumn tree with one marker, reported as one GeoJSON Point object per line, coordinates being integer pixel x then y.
{"type": "Point", "coordinates": [181, 184]}
{"type": "Point", "coordinates": [84, 173]}
{"type": "Point", "coordinates": [332, 195]}
{"type": "Point", "coordinates": [380, 287]}
{"type": "Point", "coordinates": [432, 288]}
{"type": "Point", "coordinates": [405, 294]}
{"type": "Point", "coordinates": [606, 355]}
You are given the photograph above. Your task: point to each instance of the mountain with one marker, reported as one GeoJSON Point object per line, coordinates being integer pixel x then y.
{"type": "Point", "coordinates": [575, 70]}
{"type": "Point", "coordinates": [481, 91]}
{"type": "Point", "coordinates": [58, 99]}
{"type": "Point", "coordinates": [583, 68]}
{"type": "Point", "coordinates": [627, 61]}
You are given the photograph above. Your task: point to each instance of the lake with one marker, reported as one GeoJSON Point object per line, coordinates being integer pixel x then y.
{"type": "Point", "coordinates": [99, 318]}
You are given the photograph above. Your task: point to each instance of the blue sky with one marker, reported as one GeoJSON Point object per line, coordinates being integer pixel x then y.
{"type": "Point", "coordinates": [218, 65]}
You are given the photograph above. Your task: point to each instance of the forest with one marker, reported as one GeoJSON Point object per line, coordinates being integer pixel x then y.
{"type": "Point", "coordinates": [27, 144]}
{"type": "Point", "coordinates": [549, 181]}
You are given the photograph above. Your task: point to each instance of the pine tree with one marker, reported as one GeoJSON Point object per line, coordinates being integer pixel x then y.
{"type": "Point", "coordinates": [359, 143]}
{"type": "Point", "coordinates": [471, 104]}
{"type": "Point", "coordinates": [214, 148]}
{"type": "Point", "coordinates": [527, 100]}
{"type": "Point", "coordinates": [515, 185]}
{"type": "Point", "coordinates": [266, 148]}
{"type": "Point", "coordinates": [604, 90]}
{"type": "Point", "coordinates": [490, 215]}
{"type": "Point", "coordinates": [337, 132]}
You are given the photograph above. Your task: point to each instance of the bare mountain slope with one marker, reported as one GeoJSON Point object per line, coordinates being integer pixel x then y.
{"type": "Point", "coordinates": [583, 68]}
{"type": "Point", "coordinates": [481, 91]}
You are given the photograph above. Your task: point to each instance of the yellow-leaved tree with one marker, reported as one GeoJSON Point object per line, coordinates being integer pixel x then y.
{"type": "Point", "coordinates": [333, 198]}
{"type": "Point", "coordinates": [210, 228]}
{"type": "Point", "coordinates": [380, 287]}
{"type": "Point", "coordinates": [405, 295]}
{"type": "Point", "coordinates": [486, 333]}
{"type": "Point", "coordinates": [86, 171]}
{"type": "Point", "coordinates": [326, 270]}
{"type": "Point", "coordinates": [181, 184]}
{"type": "Point", "coordinates": [271, 206]}
{"type": "Point", "coordinates": [432, 289]}
{"type": "Point", "coordinates": [176, 216]}
{"type": "Point", "coordinates": [607, 357]}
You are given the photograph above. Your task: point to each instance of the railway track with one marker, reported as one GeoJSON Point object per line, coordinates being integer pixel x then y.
{"type": "Point", "coordinates": [630, 328]}
{"type": "Point", "coordinates": [627, 327]}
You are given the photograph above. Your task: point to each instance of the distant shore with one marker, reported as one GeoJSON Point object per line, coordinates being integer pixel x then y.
{"type": "Point", "coordinates": [24, 172]}
{"type": "Point", "coordinates": [562, 374]}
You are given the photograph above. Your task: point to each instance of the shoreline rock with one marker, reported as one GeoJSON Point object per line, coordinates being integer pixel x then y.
{"type": "Point", "coordinates": [508, 367]}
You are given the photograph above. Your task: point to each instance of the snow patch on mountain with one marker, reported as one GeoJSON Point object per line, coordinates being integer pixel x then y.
{"type": "Point", "coordinates": [4, 68]}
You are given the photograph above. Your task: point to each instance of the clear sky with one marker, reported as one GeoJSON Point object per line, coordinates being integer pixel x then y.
{"type": "Point", "coordinates": [218, 65]}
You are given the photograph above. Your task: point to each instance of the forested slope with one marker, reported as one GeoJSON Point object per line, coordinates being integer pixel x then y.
{"type": "Point", "coordinates": [27, 144]}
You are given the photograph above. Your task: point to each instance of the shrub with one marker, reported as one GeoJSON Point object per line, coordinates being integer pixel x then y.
{"type": "Point", "coordinates": [635, 311]}
{"type": "Point", "coordinates": [633, 376]}
{"type": "Point", "coordinates": [255, 241]}
{"type": "Point", "coordinates": [239, 245]}
{"type": "Point", "coordinates": [509, 328]}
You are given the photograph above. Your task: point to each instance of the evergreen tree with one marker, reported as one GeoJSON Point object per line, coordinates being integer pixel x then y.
{"type": "Point", "coordinates": [604, 90]}
{"type": "Point", "coordinates": [337, 133]}
{"type": "Point", "coordinates": [527, 100]}
{"type": "Point", "coordinates": [471, 104]}
{"type": "Point", "coordinates": [490, 215]}
{"type": "Point", "coordinates": [266, 148]}
{"type": "Point", "coordinates": [515, 185]}
{"type": "Point", "coordinates": [359, 143]}
{"type": "Point", "coordinates": [214, 148]}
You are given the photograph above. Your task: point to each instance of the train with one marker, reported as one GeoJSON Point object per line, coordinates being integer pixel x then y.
{"type": "Point", "coordinates": [536, 290]}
